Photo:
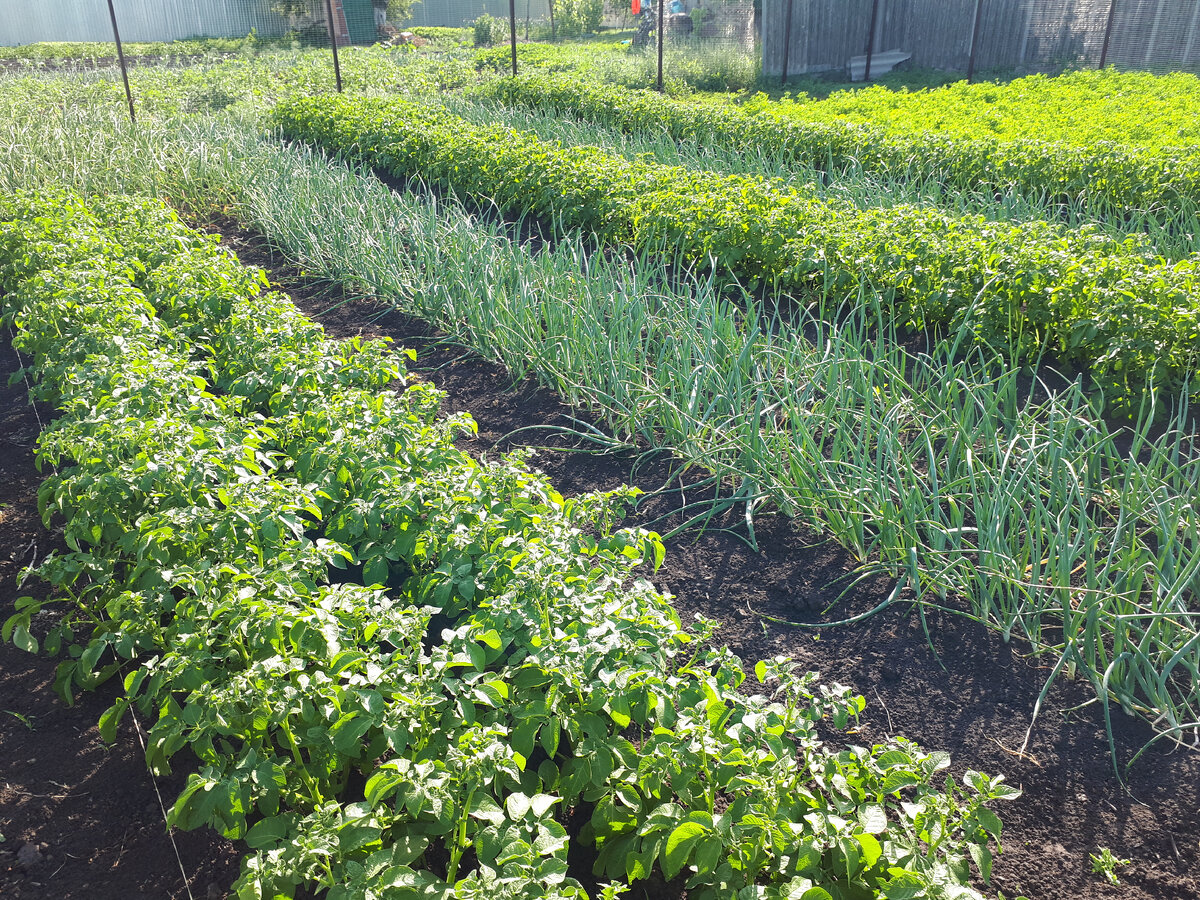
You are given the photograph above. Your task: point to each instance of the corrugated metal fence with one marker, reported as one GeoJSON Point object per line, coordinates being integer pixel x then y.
{"type": "Point", "coordinates": [23, 22]}
{"type": "Point", "coordinates": [1033, 35]}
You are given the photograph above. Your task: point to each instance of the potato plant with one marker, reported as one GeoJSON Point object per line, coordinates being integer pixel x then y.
{"type": "Point", "coordinates": [402, 671]}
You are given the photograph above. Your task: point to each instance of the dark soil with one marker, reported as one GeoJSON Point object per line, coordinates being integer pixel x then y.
{"type": "Point", "coordinates": [968, 693]}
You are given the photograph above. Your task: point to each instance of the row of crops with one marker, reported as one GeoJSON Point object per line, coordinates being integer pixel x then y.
{"type": "Point", "coordinates": [899, 133]}
{"type": "Point", "coordinates": [1021, 289]}
{"type": "Point", "coordinates": [1077, 181]}
{"type": "Point", "coordinates": [1053, 526]}
{"type": "Point", "coordinates": [1079, 109]}
{"type": "Point", "coordinates": [384, 653]}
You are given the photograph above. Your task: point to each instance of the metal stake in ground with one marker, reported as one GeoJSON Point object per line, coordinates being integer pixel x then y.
{"type": "Point", "coordinates": [337, 66]}
{"type": "Point", "coordinates": [662, 21]}
{"type": "Point", "coordinates": [512, 32]}
{"type": "Point", "coordinates": [787, 41]}
{"type": "Point", "coordinates": [112, 14]}
{"type": "Point", "coordinates": [974, 40]}
{"type": "Point", "coordinates": [1108, 30]}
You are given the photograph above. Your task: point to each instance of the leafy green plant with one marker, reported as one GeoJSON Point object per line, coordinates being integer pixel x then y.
{"type": "Point", "coordinates": [399, 11]}
{"type": "Point", "coordinates": [488, 30]}
{"type": "Point", "coordinates": [573, 18]}
{"type": "Point", "coordinates": [1104, 863]}
{"type": "Point", "coordinates": [25, 720]}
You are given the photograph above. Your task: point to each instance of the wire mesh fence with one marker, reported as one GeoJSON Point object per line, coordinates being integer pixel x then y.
{"type": "Point", "coordinates": [866, 38]}
{"type": "Point", "coordinates": [708, 44]}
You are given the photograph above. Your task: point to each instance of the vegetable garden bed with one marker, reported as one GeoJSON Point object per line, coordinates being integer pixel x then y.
{"type": "Point", "coordinates": [952, 134]}
{"type": "Point", "coordinates": [401, 670]}
{"type": "Point", "coordinates": [1132, 534]}
{"type": "Point", "coordinates": [1071, 804]}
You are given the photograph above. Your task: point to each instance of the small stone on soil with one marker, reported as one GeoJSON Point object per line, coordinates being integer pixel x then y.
{"type": "Point", "coordinates": [28, 856]}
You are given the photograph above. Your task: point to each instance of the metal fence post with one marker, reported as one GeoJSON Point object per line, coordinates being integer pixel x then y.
{"type": "Point", "coordinates": [787, 41]}
{"type": "Point", "coordinates": [974, 40]}
{"type": "Point", "coordinates": [1108, 30]}
{"type": "Point", "coordinates": [112, 14]}
{"type": "Point", "coordinates": [512, 33]}
{"type": "Point", "coordinates": [662, 26]}
{"type": "Point", "coordinates": [337, 65]}
{"type": "Point", "coordinates": [871, 40]}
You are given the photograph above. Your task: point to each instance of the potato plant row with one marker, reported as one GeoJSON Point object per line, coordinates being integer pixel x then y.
{"type": "Point", "coordinates": [401, 671]}
{"type": "Point", "coordinates": [1104, 177]}
{"type": "Point", "coordinates": [1021, 289]}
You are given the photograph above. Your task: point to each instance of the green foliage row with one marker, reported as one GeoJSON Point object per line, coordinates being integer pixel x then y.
{"type": "Point", "coordinates": [88, 50]}
{"type": "Point", "coordinates": [1081, 109]}
{"type": "Point", "coordinates": [383, 652]}
{"type": "Point", "coordinates": [442, 37]}
{"type": "Point", "coordinates": [545, 57]}
{"type": "Point", "coordinates": [246, 84]}
{"type": "Point", "coordinates": [687, 67]}
{"type": "Point", "coordinates": [1107, 177]}
{"type": "Point", "coordinates": [1110, 306]}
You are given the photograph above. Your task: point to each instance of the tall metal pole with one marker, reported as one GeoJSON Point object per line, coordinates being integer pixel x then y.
{"type": "Point", "coordinates": [662, 23]}
{"type": "Point", "coordinates": [512, 32]}
{"type": "Point", "coordinates": [787, 41]}
{"type": "Point", "coordinates": [1108, 30]}
{"type": "Point", "coordinates": [871, 40]}
{"type": "Point", "coordinates": [112, 14]}
{"type": "Point", "coordinates": [1191, 36]}
{"type": "Point", "coordinates": [337, 65]}
{"type": "Point", "coordinates": [975, 40]}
